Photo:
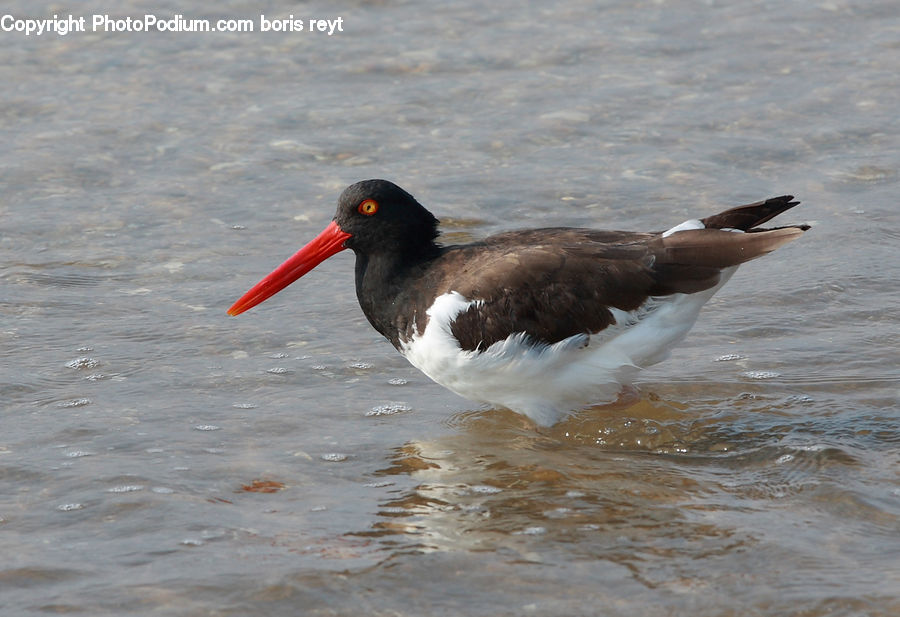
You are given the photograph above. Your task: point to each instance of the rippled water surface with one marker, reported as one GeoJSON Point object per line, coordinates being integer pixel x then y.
{"type": "Point", "coordinates": [158, 457]}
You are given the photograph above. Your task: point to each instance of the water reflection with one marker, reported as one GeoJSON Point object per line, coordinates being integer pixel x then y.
{"type": "Point", "coordinates": [659, 490]}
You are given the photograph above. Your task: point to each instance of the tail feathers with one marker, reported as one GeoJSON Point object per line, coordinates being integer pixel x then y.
{"type": "Point", "coordinates": [752, 215]}
{"type": "Point", "coordinates": [693, 259]}
{"type": "Point", "coordinates": [715, 248]}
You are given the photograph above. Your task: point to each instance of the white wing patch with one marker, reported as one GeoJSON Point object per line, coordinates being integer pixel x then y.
{"type": "Point", "coordinates": [690, 224]}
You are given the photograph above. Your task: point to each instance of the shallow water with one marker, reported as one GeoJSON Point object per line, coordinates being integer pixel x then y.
{"type": "Point", "coordinates": [158, 457]}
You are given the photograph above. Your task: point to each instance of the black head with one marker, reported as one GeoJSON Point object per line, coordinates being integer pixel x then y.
{"type": "Point", "coordinates": [382, 217]}
{"type": "Point", "coordinates": [375, 218]}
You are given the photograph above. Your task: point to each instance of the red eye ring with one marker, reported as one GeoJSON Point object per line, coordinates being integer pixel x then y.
{"type": "Point", "coordinates": [368, 207]}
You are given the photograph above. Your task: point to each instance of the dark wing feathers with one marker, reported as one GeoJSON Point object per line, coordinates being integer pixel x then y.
{"type": "Point", "coordinates": [559, 282]}
{"type": "Point", "coordinates": [549, 292]}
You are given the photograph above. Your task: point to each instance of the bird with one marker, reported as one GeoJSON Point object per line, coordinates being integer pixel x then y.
{"type": "Point", "coordinates": [544, 322]}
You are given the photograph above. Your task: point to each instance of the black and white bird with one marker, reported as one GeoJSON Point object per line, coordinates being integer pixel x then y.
{"type": "Point", "coordinates": [540, 321]}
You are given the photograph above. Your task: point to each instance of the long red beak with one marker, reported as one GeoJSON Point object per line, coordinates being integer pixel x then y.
{"type": "Point", "coordinates": [323, 246]}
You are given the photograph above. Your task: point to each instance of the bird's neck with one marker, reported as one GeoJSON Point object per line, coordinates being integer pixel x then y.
{"type": "Point", "coordinates": [381, 280]}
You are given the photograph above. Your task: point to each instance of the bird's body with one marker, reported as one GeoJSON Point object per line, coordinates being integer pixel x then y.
{"type": "Point", "coordinates": [541, 321]}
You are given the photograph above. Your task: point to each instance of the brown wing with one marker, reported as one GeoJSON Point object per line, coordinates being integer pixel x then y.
{"type": "Point", "coordinates": [556, 290]}
{"type": "Point", "coordinates": [550, 292]}
{"type": "Point", "coordinates": [555, 283]}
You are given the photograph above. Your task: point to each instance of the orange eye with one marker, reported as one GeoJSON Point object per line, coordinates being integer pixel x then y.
{"type": "Point", "coordinates": [368, 207]}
